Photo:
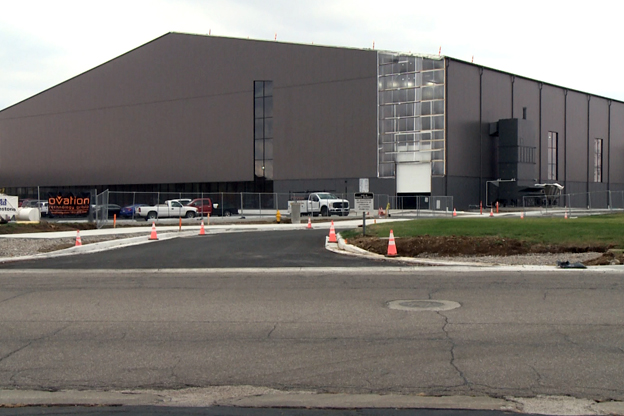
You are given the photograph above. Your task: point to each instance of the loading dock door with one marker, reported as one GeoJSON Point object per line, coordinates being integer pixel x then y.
{"type": "Point", "coordinates": [413, 178]}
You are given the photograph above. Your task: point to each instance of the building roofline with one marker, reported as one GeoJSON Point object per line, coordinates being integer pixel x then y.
{"type": "Point", "coordinates": [428, 56]}
{"type": "Point", "coordinates": [84, 72]}
{"type": "Point", "coordinates": [550, 84]}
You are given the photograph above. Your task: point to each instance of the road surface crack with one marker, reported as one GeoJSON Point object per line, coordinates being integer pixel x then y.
{"type": "Point", "coordinates": [271, 331]}
{"type": "Point", "coordinates": [537, 374]}
{"type": "Point", "coordinates": [16, 296]}
{"type": "Point", "coordinates": [453, 345]}
{"type": "Point", "coordinates": [29, 343]}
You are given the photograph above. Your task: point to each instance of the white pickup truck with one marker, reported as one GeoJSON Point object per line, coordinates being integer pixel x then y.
{"type": "Point", "coordinates": [169, 209]}
{"type": "Point", "coordinates": [321, 203]}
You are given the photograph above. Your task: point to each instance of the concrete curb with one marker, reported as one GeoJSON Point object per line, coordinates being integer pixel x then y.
{"type": "Point", "coordinates": [100, 246]}
{"type": "Point", "coordinates": [342, 247]}
{"type": "Point", "coordinates": [260, 397]}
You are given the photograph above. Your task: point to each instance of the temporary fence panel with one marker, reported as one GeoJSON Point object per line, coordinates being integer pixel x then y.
{"type": "Point", "coordinates": [100, 209]}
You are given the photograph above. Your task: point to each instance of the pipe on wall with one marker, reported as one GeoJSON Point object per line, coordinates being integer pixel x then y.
{"type": "Point", "coordinates": [480, 133]}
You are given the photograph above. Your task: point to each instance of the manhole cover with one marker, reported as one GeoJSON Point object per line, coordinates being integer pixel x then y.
{"type": "Point", "coordinates": [423, 305]}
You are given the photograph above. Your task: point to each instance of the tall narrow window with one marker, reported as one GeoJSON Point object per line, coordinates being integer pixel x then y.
{"type": "Point", "coordinates": [597, 160]}
{"type": "Point", "coordinates": [263, 129]}
{"type": "Point", "coordinates": [553, 138]}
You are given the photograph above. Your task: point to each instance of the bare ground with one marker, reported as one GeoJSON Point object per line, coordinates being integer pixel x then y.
{"type": "Point", "coordinates": [476, 247]}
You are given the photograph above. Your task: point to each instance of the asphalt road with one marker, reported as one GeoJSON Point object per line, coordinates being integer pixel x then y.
{"type": "Point", "coordinates": [515, 334]}
{"type": "Point", "coordinates": [301, 248]}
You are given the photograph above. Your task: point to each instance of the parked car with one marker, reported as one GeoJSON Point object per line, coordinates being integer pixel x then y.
{"type": "Point", "coordinates": [34, 203]}
{"type": "Point", "coordinates": [25, 203]}
{"type": "Point", "coordinates": [130, 210]}
{"type": "Point", "coordinates": [225, 210]}
{"type": "Point", "coordinates": [43, 208]}
{"type": "Point", "coordinates": [30, 203]}
{"type": "Point", "coordinates": [204, 206]}
{"type": "Point", "coordinates": [170, 209]}
{"type": "Point", "coordinates": [183, 201]}
{"type": "Point", "coordinates": [113, 209]}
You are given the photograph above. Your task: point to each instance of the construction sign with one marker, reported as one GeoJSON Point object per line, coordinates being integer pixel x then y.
{"type": "Point", "coordinates": [65, 204]}
{"type": "Point", "coordinates": [8, 206]}
{"type": "Point", "coordinates": [364, 201]}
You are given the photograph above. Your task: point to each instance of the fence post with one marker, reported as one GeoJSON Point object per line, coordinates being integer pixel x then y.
{"type": "Point", "coordinates": [417, 206]}
{"type": "Point", "coordinates": [242, 209]}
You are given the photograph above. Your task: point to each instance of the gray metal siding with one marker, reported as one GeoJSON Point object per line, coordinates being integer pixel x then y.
{"type": "Point", "coordinates": [463, 135]}
{"type": "Point", "coordinates": [598, 129]}
{"type": "Point", "coordinates": [496, 105]}
{"type": "Point", "coordinates": [552, 120]}
{"type": "Point", "coordinates": [576, 139]}
{"type": "Point", "coordinates": [616, 153]}
{"type": "Point", "coordinates": [526, 95]}
{"type": "Point", "coordinates": [180, 109]}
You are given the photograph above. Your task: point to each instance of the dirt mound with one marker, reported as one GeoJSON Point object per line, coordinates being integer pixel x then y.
{"type": "Point", "coordinates": [609, 258]}
{"type": "Point", "coordinates": [44, 226]}
{"type": "Point", "coordinates": [466, 246]}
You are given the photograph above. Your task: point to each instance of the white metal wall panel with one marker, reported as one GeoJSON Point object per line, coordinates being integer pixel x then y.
{"type": "Point", "coordinates": [413, 177]}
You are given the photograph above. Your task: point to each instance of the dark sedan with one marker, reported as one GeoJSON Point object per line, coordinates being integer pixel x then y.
{"type": "Point", "coordinates": [130, 210]}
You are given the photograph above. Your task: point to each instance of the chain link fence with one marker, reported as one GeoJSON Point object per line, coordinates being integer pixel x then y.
{"type": "Point", "coordinates": [249, 204]}
{"type": "Point", "coordinates": [586, 201]}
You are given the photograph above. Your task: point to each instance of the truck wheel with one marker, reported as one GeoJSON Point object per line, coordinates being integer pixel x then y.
{"type": "Point", "coordinates": [151, 216]}
{"type": "Point", "coordinates": [190, 214]}
{"type": "Point", "coordinates": [324, 212]}
{"type": "Point", "coordinates": [227, 214]}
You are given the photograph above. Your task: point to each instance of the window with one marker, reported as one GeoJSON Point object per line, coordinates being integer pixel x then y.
{"type": "Point", "coordinates": [411, 104]}
{"type": "Point", "coordinates": [597, 160]}
{"type": "Point", "coordinates": [263, 129]}
{"type": "Point", "coordinates": [553, 138]}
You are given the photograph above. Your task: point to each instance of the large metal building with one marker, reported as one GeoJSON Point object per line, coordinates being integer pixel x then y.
{"type": "Point", "coordinates": [202, 113]}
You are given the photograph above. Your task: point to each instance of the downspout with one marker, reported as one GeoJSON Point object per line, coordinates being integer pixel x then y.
{"type": "Point", "coordinates": [539, 152]}
{"type": "Point", "coordinates": [588, 151]}
{"type": "Point", "coordinates": [609, 149]}
{"type": "Point", "coordinates": [481, 134]}
{"type": "Point", "coordinates": [513, 81]}
{"type": "Point", "coordinates": [565, 141]}
{"type": "Point", "coordinates": [446, 95]}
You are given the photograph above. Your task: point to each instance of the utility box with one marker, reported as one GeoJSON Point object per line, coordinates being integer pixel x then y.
{"type": "Point", "coordinates": [517, 151]}
{"type": "Point", "coordinates": [295, 212]}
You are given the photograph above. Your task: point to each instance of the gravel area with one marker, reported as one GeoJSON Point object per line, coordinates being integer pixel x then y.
{"type": "Point", "coordinates": [15, 247]}
{"type": "Point", "coordinates": [546, 259]}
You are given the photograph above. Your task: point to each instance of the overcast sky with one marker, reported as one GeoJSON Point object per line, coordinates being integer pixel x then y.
{"type": "Point", "coordinates": [572, 44]}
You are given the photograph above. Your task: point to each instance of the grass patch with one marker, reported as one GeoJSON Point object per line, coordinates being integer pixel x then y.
{"type": "Point", "coordinates": [595, 229]}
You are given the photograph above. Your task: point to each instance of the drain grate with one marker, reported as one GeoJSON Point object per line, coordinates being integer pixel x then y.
{"type": "Point", "coordinates": [422, 305]}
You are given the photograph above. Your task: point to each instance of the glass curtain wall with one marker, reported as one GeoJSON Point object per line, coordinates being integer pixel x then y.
{"type": "Point", "coordinates": [263, 129]}
{"type": "Point", "coordinates": [411, 112]}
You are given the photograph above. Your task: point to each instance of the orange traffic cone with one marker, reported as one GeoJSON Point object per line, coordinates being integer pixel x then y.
{"type": "Point", "coordinates": [522, 215]}
{"type": "Point", "coordinates": [201, 230]}
{"type": "Point", "coordinates": [392, 251]}
{"type": "Point", "coordinates": [78, 240]}
{"type": "Point", "coordinates": [309, 227]}
{"type": "Point", "coordinates": [153, 235]}
{"type": "Point", "coordinates": [332, 234]}
{"type": "Point", "coordinates": [491, 212]}
{"type": "Point", "coordinates": [565, 216]}
{"type": "Point", "coordinates": [454, 212]}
